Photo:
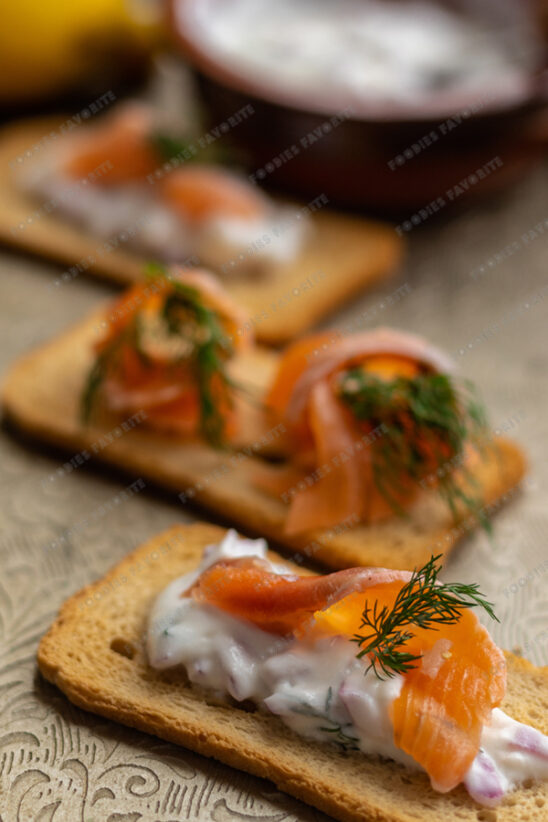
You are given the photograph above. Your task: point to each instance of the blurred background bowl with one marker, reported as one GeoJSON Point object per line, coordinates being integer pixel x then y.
{"type": "Point", "coordinates": [378, 157]}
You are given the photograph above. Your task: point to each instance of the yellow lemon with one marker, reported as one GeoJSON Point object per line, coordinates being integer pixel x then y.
{"type": "Point", "coordinates": [50, 47]}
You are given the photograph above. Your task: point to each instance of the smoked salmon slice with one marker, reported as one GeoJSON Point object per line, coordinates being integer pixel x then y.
{"type": "Point", "coordinates": [143, 363]}
{"type": "Point", "coordinates": [335, 450]}
{"type": "Point", "coordinates": [198, 192]}
{"type": "Point", "coordinates": [342, 491]}
{"type": "Point", "coordinates": [278, 603]}
{"type": "Point", "coordinates": [460, 675]}
{"type": "Point", "coordinates": [444, 701]}
{"type": "Point", "coordinates": [438, 719]}
{"type": "Point", "coordinates": [120, 143]}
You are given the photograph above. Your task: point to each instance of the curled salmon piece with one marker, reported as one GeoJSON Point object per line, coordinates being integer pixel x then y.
{"type": "Point", "coordinates": [278, 603]}
{"type": "Point", "coordinates": [120, 142]}
{"type": "Point", "coordinates": [148, 358]}
{"type": "Point", "coordinates": [149, 296]}
{"type": "Point", "coordinates": [332, 447]}
{"type": "Point", "coordinates": [292, 387]}
{"type": "Point", "coordinates": [199, 192]}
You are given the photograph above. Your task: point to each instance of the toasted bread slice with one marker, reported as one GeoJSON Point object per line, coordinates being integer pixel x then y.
{"type": "Point", "coordinates": [94, 653]}
{"type": "Point", "coordinates": [41, 397]}
{"type": "Point", "coordinates": [345, 254]}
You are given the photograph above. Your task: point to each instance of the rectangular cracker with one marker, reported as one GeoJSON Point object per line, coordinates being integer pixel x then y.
{"type": "Point", "coordinates": [94, 653]}
{"type": "Point", "coordinates": [41, 397]}
{"type": "Point", "coordinates": [345, 255]}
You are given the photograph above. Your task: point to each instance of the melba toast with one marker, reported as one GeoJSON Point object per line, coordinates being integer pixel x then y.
{"type": "Point", "coordinates": [328, 410]}
{"type": "Point", "coordinates": [45, 212]}
{"type": "Point", "coordinates": [95, 653]}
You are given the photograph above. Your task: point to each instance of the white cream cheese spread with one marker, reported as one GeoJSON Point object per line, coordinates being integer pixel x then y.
{"type": "Point", "coordinates": [228, 244]}
{"type": "Point", "coordinates": [319, 689]}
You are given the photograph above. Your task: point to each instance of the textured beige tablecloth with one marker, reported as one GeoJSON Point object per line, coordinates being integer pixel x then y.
{"type": "Point", "coordinates": [58, 763]}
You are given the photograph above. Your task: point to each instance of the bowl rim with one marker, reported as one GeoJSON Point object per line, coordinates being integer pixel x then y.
{"type": "Point", "coordinates": [440, 106]}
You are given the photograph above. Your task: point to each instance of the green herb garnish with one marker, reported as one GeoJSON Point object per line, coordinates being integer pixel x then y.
{"type": "Point", "coordinates": [96, 377]}
{"type": "Point", "coordinates": [184, 315]}
{"type": "Point", "coordinates": [168, 147]}
{"type": "Point", "coordinates": [425, 422]}
{"type": "Point", "coordinates": [210, 351]}
{"type": "Point", "coordinates": [338, 732]}
{"type": "Point", "coordinates": [423, 602]}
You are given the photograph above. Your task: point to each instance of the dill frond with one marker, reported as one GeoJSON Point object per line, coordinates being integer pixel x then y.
{"type": "Point", "coordinates": [423, 602]}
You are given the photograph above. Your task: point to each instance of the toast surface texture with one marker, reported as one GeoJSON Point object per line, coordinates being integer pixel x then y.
{"type": "Point", "coordinates": [41, 397]}
{"type": "Point", "coordinates": [94, 653]}
{"type": "Point", "coordinates": [344, 255]}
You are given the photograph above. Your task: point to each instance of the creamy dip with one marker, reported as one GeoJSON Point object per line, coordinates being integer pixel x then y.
{"type": "Point", "coordinates": [319, 689]}
{"type": "Point", "coordinates": [133, 212]}
{"type": "Point", "coordinates": [359, 50]}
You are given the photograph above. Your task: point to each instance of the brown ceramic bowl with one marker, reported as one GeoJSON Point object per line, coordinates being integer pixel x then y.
{"type": "Point", "coordinates": [385, 157]}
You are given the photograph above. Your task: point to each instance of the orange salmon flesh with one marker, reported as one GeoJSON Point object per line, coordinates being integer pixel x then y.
{"type": "Point", "coordinates": [444, 701]}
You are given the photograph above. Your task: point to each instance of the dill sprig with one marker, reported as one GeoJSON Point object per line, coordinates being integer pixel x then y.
{"type": "Point", "coordinates": [424, 602]}
{"type": "Point", "coordinates": [96, 376]}
{"type": "Point", "coordinates": [169, 146]}
{"type": "Point", "coordinates": [425, 422]}
{"type": "Point", "coordinates": [211, 349]}
{"type": "Point", "coordinates": [185, 315]}
{"type": "Point", "coordinates": [339, 733]}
